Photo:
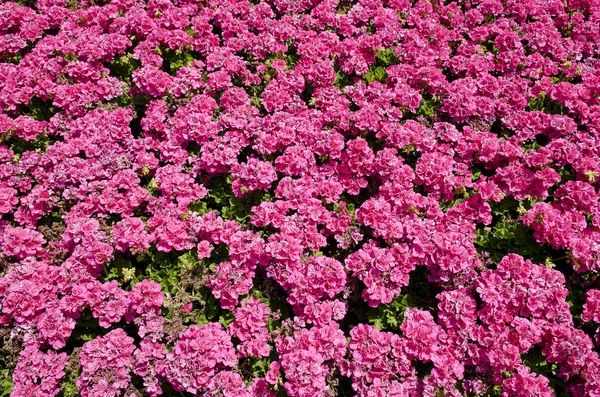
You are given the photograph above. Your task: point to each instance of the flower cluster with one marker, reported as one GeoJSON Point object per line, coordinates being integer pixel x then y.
{"type": "Point", "coordinates": [198, 356]}
{"type": "Point", "coordinates": [250, 328]}
{"type": "Point", "coordinates": [38, 373]}
{"type": "Point", "coordinates": [106, 364]}
{"type": "Point", "coordinates": [301, 197]}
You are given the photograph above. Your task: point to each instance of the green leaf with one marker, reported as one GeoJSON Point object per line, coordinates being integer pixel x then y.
{"type": "Point", "coordinates": [388, 316]}
{"type": "Point", "coordinates": [211, 309]}
{"type": "Point", "coordinates": [6, 383]}
{"type": "Point", "coordinates": [351, 208]}
{"type": "Point", "coordinates": [377, 323]}
{"type": "Point", "coordinates": [386, 57]}
{"type": "Point", "coordinates": [69, 390]}
{"type": "Point", "coordinates": [226, 318]}
{"type": "Point", "coordinates": [379, 73]}
{"type": "Point", "coordinates": [428, 107]}
{"type": "Point", "coordinates": [199, 206]}
{"type": "Point", "coordinates": [187, 259]}
{"type": "Point", "coordinates": [342, 79]}
{"type": "Point", "coordinates": [260, 367]}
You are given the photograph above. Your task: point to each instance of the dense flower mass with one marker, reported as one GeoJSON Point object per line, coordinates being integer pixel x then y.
{"type": "Point", "coordinates": [303, 198]}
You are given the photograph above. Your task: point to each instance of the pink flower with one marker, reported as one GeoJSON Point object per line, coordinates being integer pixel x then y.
{"type": "Point", "coordinates": [38, 373]}
{"type": "Point", "coordinates": [106, 364]}
{"type": "Point", "coordinates": [198, 356]}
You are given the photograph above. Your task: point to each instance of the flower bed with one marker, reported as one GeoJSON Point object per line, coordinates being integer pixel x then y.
{"type": "Point", "coordinates": [300, 198]}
